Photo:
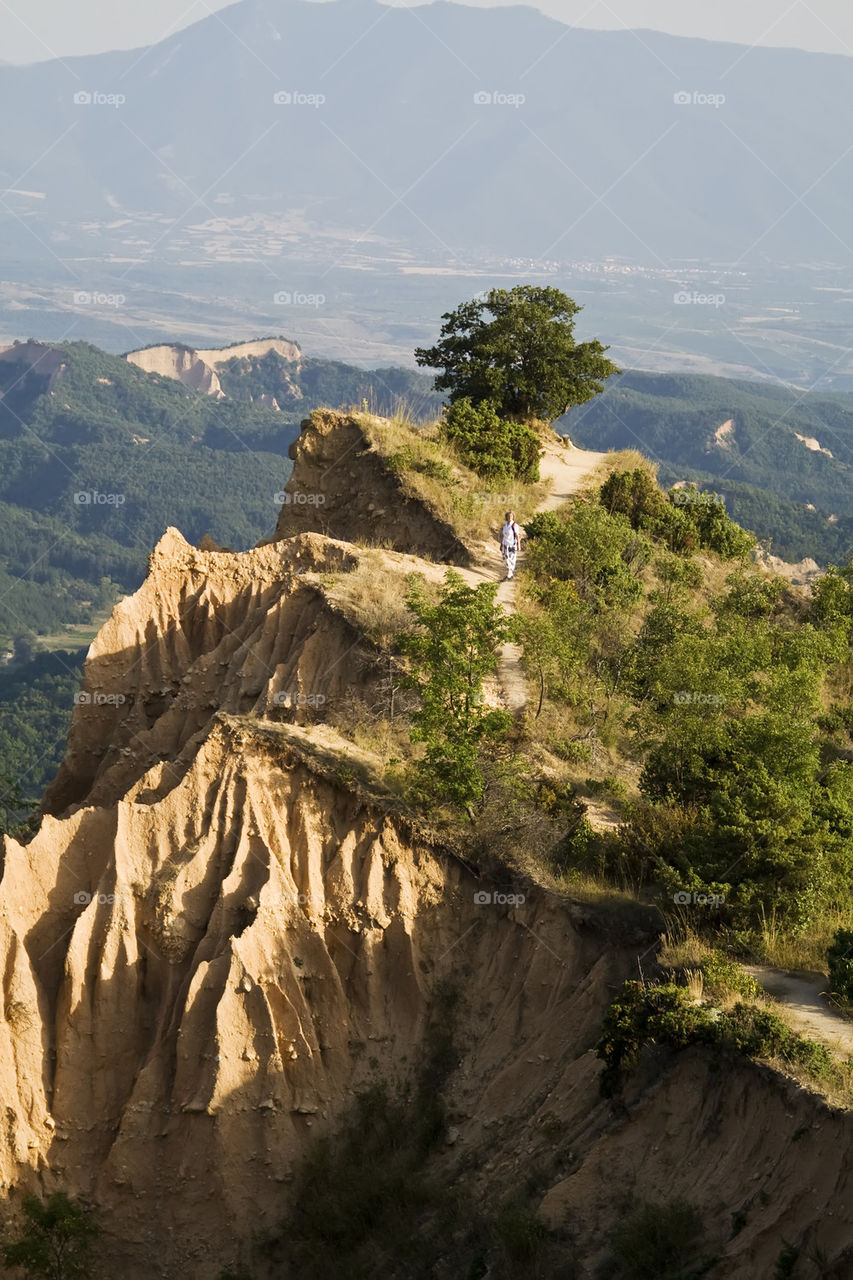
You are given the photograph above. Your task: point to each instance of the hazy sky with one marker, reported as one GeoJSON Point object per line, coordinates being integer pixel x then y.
{"type": "Point", "coordinates": [36, 29]}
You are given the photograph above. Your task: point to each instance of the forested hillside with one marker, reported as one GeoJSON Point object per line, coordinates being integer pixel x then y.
{"type": "Point", "coordinates": [782, 457]}
{"type": "Point", "coordinates": [97, 458]}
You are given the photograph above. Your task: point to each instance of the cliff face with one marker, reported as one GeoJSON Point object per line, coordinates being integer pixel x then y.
{"type": "Point", "coordinates": [180, 364]}
{"type": "Point", "coordinates": [226, 925]}
{"type": "Point", "coordinates": [342, 486]}
{"type": "Point", "coordinates": [200, 369]}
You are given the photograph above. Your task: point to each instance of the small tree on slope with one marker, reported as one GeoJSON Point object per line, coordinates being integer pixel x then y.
{"type": "Point", "coordinates": [452, 651]}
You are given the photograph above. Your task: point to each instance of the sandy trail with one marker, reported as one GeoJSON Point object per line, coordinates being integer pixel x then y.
{"type": "Point", "coordinates": [568, 468]}
{"type": "Point", "coordinates": [804, 996]}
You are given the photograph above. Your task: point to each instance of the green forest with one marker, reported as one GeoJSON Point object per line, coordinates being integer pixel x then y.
{"type": "Point", "coordinates": [36, 702]}
{"type": "Point", "coordinates": [771, 480]}
{"type": "Point", "coordinates": [96, 462]}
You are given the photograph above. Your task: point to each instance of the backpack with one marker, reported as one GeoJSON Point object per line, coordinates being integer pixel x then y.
{"type": "Point", "coordinates": [509, 536]}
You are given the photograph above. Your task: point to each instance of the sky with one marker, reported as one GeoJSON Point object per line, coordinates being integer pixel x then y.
{"type": "Point", "coordinates": [32, 30]}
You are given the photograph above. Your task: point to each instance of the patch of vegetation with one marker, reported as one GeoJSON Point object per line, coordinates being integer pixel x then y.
{"type": "Point", "coordinates": [686, 519]}
{"type": "Point", "coordinates": [840, 961]}
{"type": "Point", "coordinates": [771, 481]}
{"type": "Point", "coordinates": [712, 683]}
{"type": "Point", "coordinates": [667, 1014]}
{"type": "Point", "coordinates": [451, 651]}
{"type": "Point", "coordinates": [499, 451]}
{"type": "Point", "coordinates": [36, 702]}
{"type": "Point", "coordinates": [57, 1241]}
{"type": "Point", "coordinates": [660, 1242]}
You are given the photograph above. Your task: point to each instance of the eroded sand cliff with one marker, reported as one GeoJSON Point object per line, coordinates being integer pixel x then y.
{"type": "Point", "coordinates": [226, 924]}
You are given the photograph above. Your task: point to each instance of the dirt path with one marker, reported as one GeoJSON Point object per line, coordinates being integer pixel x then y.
{"type": "Point", "coordinates": [567, 468]}
{"type": "Point", "coordinates": [805, 999]}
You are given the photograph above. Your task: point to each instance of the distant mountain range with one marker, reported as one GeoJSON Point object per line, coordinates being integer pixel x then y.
{"type": "Point", "coordinates": [443, 128]}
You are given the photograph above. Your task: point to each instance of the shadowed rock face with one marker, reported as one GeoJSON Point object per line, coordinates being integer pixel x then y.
{"type": "Point", "coordinates": [342, 486]}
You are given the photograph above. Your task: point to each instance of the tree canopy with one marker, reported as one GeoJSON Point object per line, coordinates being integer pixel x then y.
{"type": "Point", "coordinates": [515, 349]}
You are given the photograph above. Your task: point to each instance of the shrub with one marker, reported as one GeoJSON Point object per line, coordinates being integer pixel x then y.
{"type": "Point", "coordinates": [666, 1014]}
{"type": "Point", "coordinates": [58, 1240]}
{"type": "Point", "coordinates": [497, 450]}
{"type": "Point", "coordinates": [658, 1241]}
{"type": "Point", "coordinates": [840, 959]}
{"type": "Point", "coordinates": [636, 495]}
{"type": "Point", "coordinates": [685, 519]}
{"type": "Point", "coordinates": [722, 975]}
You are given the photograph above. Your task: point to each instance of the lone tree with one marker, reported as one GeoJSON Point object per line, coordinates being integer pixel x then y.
{"type": "Point", "coordinates": [515, 350]}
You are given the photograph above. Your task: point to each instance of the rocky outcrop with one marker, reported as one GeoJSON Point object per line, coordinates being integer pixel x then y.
{"type": "Point", "coordinates": [343, 486]}
{"type": "Point", "coordinates": [288, 351]}
{"type": "Point", "coordinates": [181, 364]}
{"type": "Point", "coordinates": [246, 633]}
{"type": "Point", "coordinates": [200, 369]}
{"type": "Point", "coordinates": [36, 357]}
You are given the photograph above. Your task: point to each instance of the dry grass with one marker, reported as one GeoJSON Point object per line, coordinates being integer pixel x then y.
{"type": "Point", "coordinates": [431, 472]}
{"type": "Point", "coordinates": [372, 596]}
{"type": "Point", "coordinates": [620, 460]}
{"type": "Point", "coordinates": [681, 949]}
{"type": "Point", "coordinates": [807, 952]}
{"type": "Point", "coordinates": [373, 729]}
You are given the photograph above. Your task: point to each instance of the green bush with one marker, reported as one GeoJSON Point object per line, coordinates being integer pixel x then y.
{"type": "Point", "coordinates": [499, 451]}
{"type": "Point", "coordinates": [722, 975]}
{"type": "Point", "coordinates": [451, 650]}
{"type": "Point", "coordinates": [840, 958]}
{"type": "Point", "coordinates": [666, 1014]}
{"type": "Point", "coordinates": [636, 495]}
{"type": "Point", "coordinates": [685, 519]}
{"type": "Point", "coordinates": [58, 1240]}
{"type": "Point", "coordinates": [659, 1241]}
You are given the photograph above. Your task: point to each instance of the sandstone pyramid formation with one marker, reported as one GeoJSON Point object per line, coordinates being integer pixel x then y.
{"type": "Point", "coordinates": [227, 922]}
{"type": "Point", "coordinates": [200, 369]}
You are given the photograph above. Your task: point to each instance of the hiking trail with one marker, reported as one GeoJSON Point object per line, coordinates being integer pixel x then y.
{"type": "Point", "coordinates": [805, 998]}
{"type": "Point", "coordinates": [567, 468]}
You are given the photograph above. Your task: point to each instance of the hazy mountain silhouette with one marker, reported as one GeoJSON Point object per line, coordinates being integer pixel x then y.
{"type": "Point", "coordinates": [599, 160]}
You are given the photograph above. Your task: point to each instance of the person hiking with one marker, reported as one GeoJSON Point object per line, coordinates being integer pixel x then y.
{"type": "Point", "coordinates": [510, 543]}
